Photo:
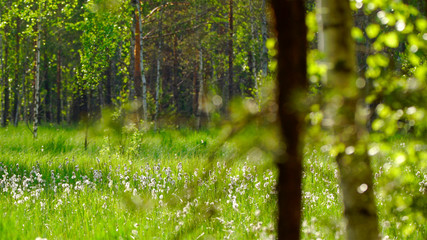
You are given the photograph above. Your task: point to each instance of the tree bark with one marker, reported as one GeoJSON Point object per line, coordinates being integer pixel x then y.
{"type": "Point", "coordinates": [292, 83]}
{"type": "Point", "coordinates": [195, 91]}
{"type": "Point", "coordinates": [109, 83]}
{"type": "Point", "coordinates": [5, 114]}
{"type": "Point", "coordinates": [138, 59]}
{"type": "Point", "coordinates": [174, 75]}
{"type": "Point", "coordinates": [132, 70]}
{"type": "Point", "coordinates": [230, 52]}
{"type": "Point", "coordinates": [251, 57]}
{"type": "Point", "coordinates": [141, 64]}
{"type": "Point", "coordinates": [58, 88]}
{"type": "Point", "coordinates": [1, 60]}
{"type": "Point", "coordinates": [24, 93]}
{"type": "Point", "coordinates": [48, 87]}
{"type": "Point", "coordinates": [15, 112]}
{"type": "Point", "coordinates": [201, 103]}
{"type": "Point", "coordinates": [264, 52]}
{"type": "Point", "coordinates": [158, 75]}
{"type": "Point", "coordinates": [37, 82]}
{"type": "Point", "coordinates": [356, 178]}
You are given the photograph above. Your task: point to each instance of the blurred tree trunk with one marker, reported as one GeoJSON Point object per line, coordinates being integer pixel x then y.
{"type": "Point", "coordinates": [251, 57]}
{"type": "Point", "coordinates": [356, 178]}
{"type": "Point", "coordinates": [58, 88]}
{"type": "Point", "coordinates": [195, 90]}
{"type": "Point", "coordinates": [201, 103]}
{"type": "Point", "coordinates": [15, 111]}
{"type": "Point", "coordinates": [1, 62]}
{"type": "Point", "coordinates": [47, 85]}
{"type": "Point", "coordinates": [109, 81]}
{"type": "Point", "coordinates": [6, 101]}
{"type": "Point", "coordinates": [230, 52]}
{"type": "Point", "coordinates": [37, 81]}
{"type": "Point", "coordinates": [132, 60]}
{"type": "Point", "coordinates": [138, 59]}
{"type": "Point", "coordinates": [292, 83]}
{"type": "Point", "coordinates": [264, 52]}
{"type": "Point", "coordinates": [24, 92]}
{"type": "Point", "coordinates": [159, 61]}
{"type": "Point", "coordinates": [174, 74]}
{"type": "Point", "coordinates": [141, 62]}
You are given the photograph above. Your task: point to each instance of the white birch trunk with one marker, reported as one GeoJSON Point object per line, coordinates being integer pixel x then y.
{"type": "Point", "coordinates": [144, 81]}
{"type": "Point", "coordinates": [158, 77]}
{"type": "Point", "coordinates": [37, 82]}
{"type": "Point", "coordinates": [356, 180]}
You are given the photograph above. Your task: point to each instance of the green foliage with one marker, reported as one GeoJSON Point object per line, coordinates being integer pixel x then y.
{"type": "Point", "coordinates": [392, 40]}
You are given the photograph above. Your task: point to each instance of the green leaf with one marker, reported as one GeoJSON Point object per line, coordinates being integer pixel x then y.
{"type": "Point", "coordinates": [421, 24]}
{"type": "Point", "coordinates": [414, 59]}
{"type": "Point", "coordinates": [357, 34]}
{"type": "Point", "coordinates": [377, 124]}
{"type": "Point", "coordinates": [270, 43]}
{"type": "Point", "coordinates": [421, 73]}
{"type": "Point", "coordinates": [391, 39]}
{"type": "Point", "coordinates": [373, 30]}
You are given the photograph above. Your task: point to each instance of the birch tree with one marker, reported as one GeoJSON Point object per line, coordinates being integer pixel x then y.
{"type": "Point", "coordinates": [159, 61]}
{"type": "Point", "coordinates": [37, 79]}
{"type": "Point", "coordinates": [348, 121]}
{"type": "Point", "coordinates": [141, 62]}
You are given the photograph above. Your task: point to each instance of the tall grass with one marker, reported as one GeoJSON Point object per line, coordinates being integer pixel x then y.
{"type": "Point", "coordinates": [159, 185]}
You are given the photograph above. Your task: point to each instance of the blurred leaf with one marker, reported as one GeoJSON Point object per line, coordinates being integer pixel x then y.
{"type": "Point", "coordinates": [357, 34]}
{"type": "Point", "coordinates": [391, 39]}
{"type": "Point", "coordinates": [373, 30]}
{"type": "Point", "coordinates": [421, 24]}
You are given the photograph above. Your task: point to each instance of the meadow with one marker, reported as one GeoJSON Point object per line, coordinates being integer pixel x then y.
{"type": "Point", "coordinates": [178, 184]}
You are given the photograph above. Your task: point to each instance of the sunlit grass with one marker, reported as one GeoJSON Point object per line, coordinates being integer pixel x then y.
{"type": "Point", "coordinates": [158, 185]}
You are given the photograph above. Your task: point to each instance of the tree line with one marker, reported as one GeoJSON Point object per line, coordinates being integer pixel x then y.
{"type": "Point", "coordinates": [65, 61]}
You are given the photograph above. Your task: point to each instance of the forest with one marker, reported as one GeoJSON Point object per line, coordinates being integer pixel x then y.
{"type": "Point", "coordinates": [213, 119]}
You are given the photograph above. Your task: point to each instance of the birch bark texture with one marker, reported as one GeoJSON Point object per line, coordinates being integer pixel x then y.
{"type": "Point", "coordinates": [349, 122]}
{"type": "Point", "coordinates": [159, 63]}
{"type": "Point", "coordinates": [37, 82]}
{"type": "Point", "coordinates": [141, 63]}
{"type": "Point", "coordinates": [292, 83]}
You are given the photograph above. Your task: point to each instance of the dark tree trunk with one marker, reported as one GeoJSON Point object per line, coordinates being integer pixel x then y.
{"type": "Point", "coordinates": [195, 91]}
{"type": "Point", "coordinates": [108, 82]}
{"type": "Point", "coordinates": [24, 93]}
{"type": "Point", "coordinates": [292, 82]}
{"type": "Point", "coordinates": [251, 79]}
{"type": "Point", "coordinates": [137, 75]}
{"type": "Point", "coordinates": [6, 100]}
{"type": "Point", "coordinates": [174, 74]}
{"type": "Point", "coordinates": [15, 111]}
{"type": "Point", "coordinates": [132, 65]}
{"type": "Point", "coordinates": [230, 53]}
{"type": "Point", "coordinates": [47, 85]}
{"type": "Point", "coordinates": [58, 88]}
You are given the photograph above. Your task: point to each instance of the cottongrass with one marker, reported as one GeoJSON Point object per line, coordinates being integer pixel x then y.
{"type": "Point", "coordinates": [138, 202]}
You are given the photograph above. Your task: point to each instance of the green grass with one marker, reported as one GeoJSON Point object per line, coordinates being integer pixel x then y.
{"type": "Point", "coordinates": [158, 185]}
